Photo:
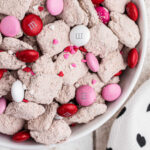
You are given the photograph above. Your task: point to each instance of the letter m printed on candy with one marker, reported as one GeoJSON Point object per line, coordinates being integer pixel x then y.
{"type": "Point", "coordinates": [32, 25]}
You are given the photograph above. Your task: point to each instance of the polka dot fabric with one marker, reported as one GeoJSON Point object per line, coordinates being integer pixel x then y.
{"type": "Point", "coordinates": [130, 130]}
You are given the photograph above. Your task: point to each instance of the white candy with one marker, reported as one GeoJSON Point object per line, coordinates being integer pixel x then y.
{"type": "Point", "coordinates": [80, 35]}
{"type": "Point", "coordinates": [17, 91]}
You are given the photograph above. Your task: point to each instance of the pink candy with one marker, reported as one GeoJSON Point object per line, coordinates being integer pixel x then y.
{"type": "Point", "coordinates": [2, 105]}
{"type": "Point", "coordinates": [103, 14]}
{"type": "Point", "coordinates": [111, 92]}
{"type": "Point", "coordinates": [55, 7]}
{"type": "Point", "coordinates": [10, 26]}
{"type": "Point", "coordinates": [85, 95]}
{"type": "Point", "coordinates": [92, 62]}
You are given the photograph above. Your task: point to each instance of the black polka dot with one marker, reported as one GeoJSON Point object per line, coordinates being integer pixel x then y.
{"type": "Point", "coordinates": [140, 140]}
{"type": "Point", "coordinates": [148, 108]}
{"type": "Point", "coordinates": [109, 149]}
{"type": "Point", "coordinates": [122, 112]}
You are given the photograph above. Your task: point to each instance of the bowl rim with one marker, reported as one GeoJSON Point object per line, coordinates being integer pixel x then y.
{"type": "Point", "coordinates": [123, 100]}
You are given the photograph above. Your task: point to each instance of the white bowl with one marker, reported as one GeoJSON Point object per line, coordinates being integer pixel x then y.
{"type": "Point", "coordinates": [128, 82]}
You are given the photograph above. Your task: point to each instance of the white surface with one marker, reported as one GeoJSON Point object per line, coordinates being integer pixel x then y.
{"type": "Point", "coordinates": [127, 85]}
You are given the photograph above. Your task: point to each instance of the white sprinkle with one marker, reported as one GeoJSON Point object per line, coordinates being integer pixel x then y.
{"type": "Point", "coordinates": [24, 66]}
{"type": "Point", "coordinates": [57, 117]}
{"type": "Point", "coordinates": [10, 52]}
{"type": "Point", "coordinates": [77, 85]}
{"type": "Point", "coordinates": [24, 87]}
{"type": "Point", "coordinates": [52, 27]}
{"type": "Point", "coordinates": [36, 7]}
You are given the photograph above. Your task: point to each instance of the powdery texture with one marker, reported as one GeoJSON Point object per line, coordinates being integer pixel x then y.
{"type": "Point", "coordinates": [10, 125]}
{"type": "Point", "coordinates": [44, 121]}
{"type": "Point", "coordinates": [102, 41]}
{"type": "Point", "coordinates": [87, 80]}
{"type": "Point", "coordinates": [125, 29]}
{"type": "Point", "coordinates": [25, 111]}
{"type": "Point", "coordinates": [66, 94]}
{"type": "Point", "coordinates": [86, 114]}
{"type": "Point", "coordinates": [110, 65]}
{"type": "Point", "coordinates": [25, 77]}
{"type": "Point", "coordinates": [58, 132]}
{"type": "Point", "coordinates": [116, 5]}
{"type": "Point", "coordinates": [71, 75]}
{"type": "Point", "coordinates": [8, 61]}
{"type": "Point", "coordinates": [89, 8]}
{"type": "Point", "coordinates": [44, 14]}
{"type": "Point", "coordinates": [73, 14]}
{"type": "Point", "coordinates": [14, 45]}
{"type": "Point", "coordinates": [47, 35]}
{"type": "Point", "coordinates": [16, 8]}
{"type": "Point", "coordinates": [5, 83]}
{"type": "Point", "coordinates": [43, 88]}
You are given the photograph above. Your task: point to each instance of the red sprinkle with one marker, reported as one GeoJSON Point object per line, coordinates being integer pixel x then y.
{"type": "Point", "coordinates": [119, 73]}
{"type": "Point", "coordinates": [25, 100]}
{"type": "Point", "coordinates": [82, 49]}
{"type": "Point", "coordinates": [27, 69]}
{"type": "Point", "coordinates": [61, 74]}
{"type": "Point", "coordinates": [21, 136]}
{"type": "Point", "coordinates": [40, 8]}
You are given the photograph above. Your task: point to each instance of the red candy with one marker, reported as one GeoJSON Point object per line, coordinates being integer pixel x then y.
{"type": "Point", "coordinates": [27, 69]}
{"type": "Point", "coordinates": [21, 136]}
{"type": "Point", "coordinates": [27, 56]}
{"type": "Point", "coordinates": [118, 73]}
{"type": "Point", "coordinates": [67, 110]}
{"type": "Point", "coordinates": [132, 58]}
{"type": "Point", "coordinates": [32, 25]}
{"type": "Point", "coordinates": [132, 11]}
{"type": "Point", "coordinates": [25, 101]}
{"type": "Point", "coordinates": [97, 1]}
{"type": "Point", "coordinates": [2, 71]}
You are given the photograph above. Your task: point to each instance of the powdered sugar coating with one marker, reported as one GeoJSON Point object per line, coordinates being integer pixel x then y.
{"type": "Point", "coordinates": [85, 114]}
{"type": "Point", "coordinates": [71, 75]}
{"type": "Point", "coordinates": [125, 29]}
{"type": "Point", "coordinates": [26, 111]}
{"type": "Point", "coordinates": [88, 7]}
{"type": "Point", "coordinates": [10, 125]}
{"type": "Point", "coordinates": [8, 61]}
{"type": "Point", "coordinates": [44, 121]}
{"type": "Point", "coordinates": [55, 134]}
{"type": "Point", "coordinates": [46, 37]}
{"type": "Point", "coordinates": [73, 14]}
{"type": "Point", "coordinates": [116, 5]}
{"type": "Point", "coordinates": [66, 94]}
{"type": "Point", "coordinates": [102, 40]}
{"type": "Point", "coordinates": [15, 8]}
{"type": "Point", "coordinates": [6, 83]}
{"type": "Point", "coordinates": [110, 65]}
{"type": "Point", "coordinates": [14, 45]}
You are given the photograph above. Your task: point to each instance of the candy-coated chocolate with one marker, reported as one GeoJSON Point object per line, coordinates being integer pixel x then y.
{"type": "Point", "coordinates": [10, 26]}
{"type": "Point", "coordinates": [2, 71]}
{"type": "Point", "coordinates": [103, 14]}
{"type": "Point", "coordinates": [133, 58]}
{"type": "Point", "coordinates": [27, 56]}
{"type": "Point", "coordinates": [67, 110]}
{"type": "Point", "coordinates": [21, 136]}
{"type": "Point", "coordinates": [92, 62]}
{"type": "Point", "coordinates": [2, 105]}
{"type": "Point", "coordinates": [17, 91]}
{"type": "Point", "coordinates": [85, 95]}
{"type": "Point", "coordinates": [80, 35]}
{"type": "Point", "coordinates": [55, 7]}
{"type": "Point", "coordinates": [32, 25]}
{"type": "Point", "coordinates": [132, 11]}
{"type": "Point", "coordinates": [111, 92]}
{"type": "Point", "coordinates": [97, 2]}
